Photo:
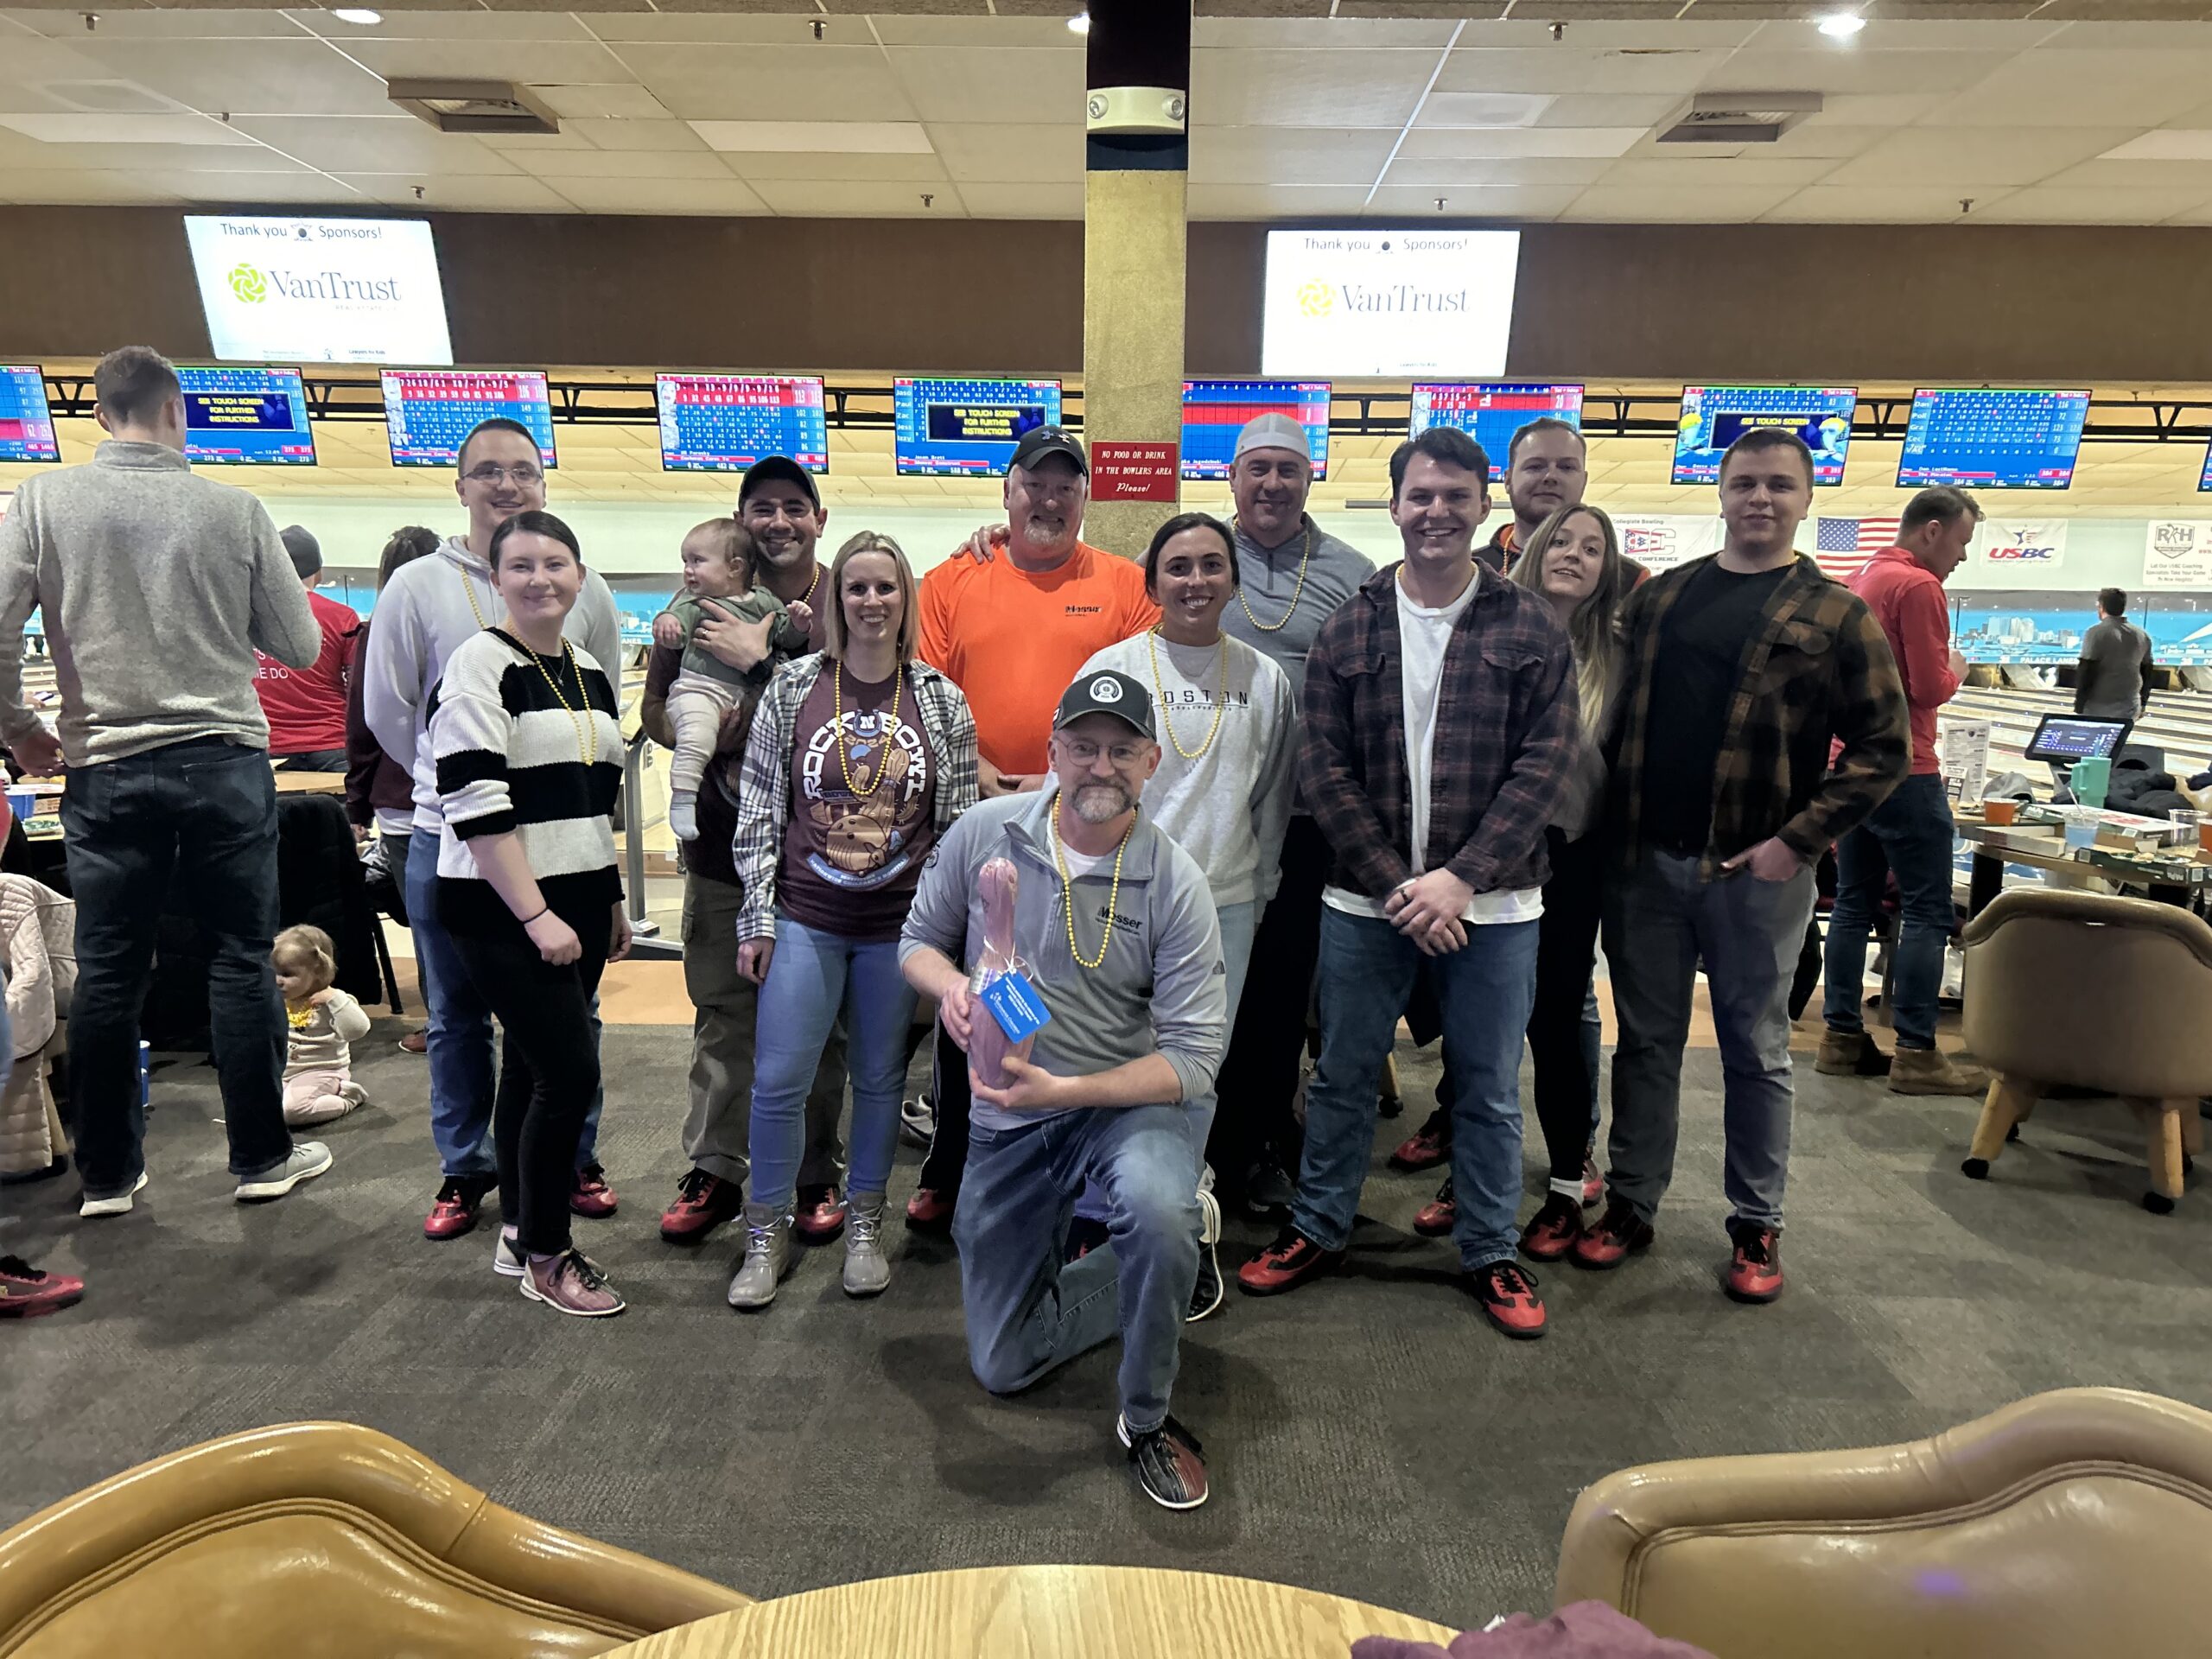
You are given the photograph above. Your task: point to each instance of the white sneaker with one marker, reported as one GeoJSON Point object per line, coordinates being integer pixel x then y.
{"type": "Point", "coordinates": [507, 1259]}
{"type": "Point", "coordinates": [117, 1206]}
{"type": "Point", "coordinates": [918, 1119]}
{"type": "Point", "coordinates": [308, 1160]}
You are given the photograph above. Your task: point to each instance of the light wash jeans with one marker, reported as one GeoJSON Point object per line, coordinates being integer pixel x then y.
{"type": "Point", "coordinates": [1026, 1313]}
{"type": "Point", "coordinates": [1484, 990]}
{"type": "Point", "coordinates": [1911, 834]}
{"type": "Point", "coordinates": [812, 975]}
{"type": "Point", "coordinates": [461, 1034]}
{"type": "Point", "coordinates": [1660, 920]}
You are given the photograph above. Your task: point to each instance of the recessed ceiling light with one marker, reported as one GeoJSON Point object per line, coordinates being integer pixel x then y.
{"type": "Point", "coordinates": [357, 15]}
{"type": "Point", "coordinates": [1080, 23]}
{"type": "Point", "coordinates": [1841, 25]}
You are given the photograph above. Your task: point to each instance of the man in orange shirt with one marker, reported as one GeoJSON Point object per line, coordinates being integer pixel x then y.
{"type": "Point", "coordinates": [1011, 629]}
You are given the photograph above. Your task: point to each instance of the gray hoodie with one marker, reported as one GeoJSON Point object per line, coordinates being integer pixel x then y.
{"type": "Point", "coordinates": [157, 587]}
{"type": "Point", "coordinates": [421, 616]}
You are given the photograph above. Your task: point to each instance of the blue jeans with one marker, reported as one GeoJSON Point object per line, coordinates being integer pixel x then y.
{"type": "Point", "coordinates": [1026, 1313]}
{"type": "Point", "coordinates": [1659, 919]}
{"type": "Point", "coordinates": [812, 976]}
{"type": "Point", "coordinates": [1911, 834]}
{"type": "Point", "coordinates": [193, 824]}
{"type": "Point", "coordinates": [1484, 991]}
{"type": "Point", "coordinates": [461, 1034]}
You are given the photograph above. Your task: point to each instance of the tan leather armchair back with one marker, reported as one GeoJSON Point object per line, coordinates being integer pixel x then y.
{"type": "Point", "coordinates": [2093, 990]}
{"type": "Point", "coordinates": [322, 1539]}
{"type": "Point", "coordinates": [2074, 1523]}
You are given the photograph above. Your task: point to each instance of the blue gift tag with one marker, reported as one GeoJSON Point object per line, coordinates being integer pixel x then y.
{"type": "Point", "coordinates": [1013, 1002]}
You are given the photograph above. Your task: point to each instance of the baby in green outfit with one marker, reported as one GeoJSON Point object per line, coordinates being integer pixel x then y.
{"type": "Point", "coordinates": [719, 561]}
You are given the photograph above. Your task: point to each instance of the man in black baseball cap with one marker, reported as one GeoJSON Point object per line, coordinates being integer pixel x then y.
{"type": "Point", "coordinates": [1042, 441]}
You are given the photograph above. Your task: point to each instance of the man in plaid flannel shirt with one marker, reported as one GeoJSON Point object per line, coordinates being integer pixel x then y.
{"type": "Point", "coordinates": [1439, 731]}
{"type": "Point", "coordinates": [1742, 670]}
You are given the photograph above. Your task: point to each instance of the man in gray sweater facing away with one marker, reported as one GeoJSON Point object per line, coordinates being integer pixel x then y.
{"type": "Point", "coordinates": [157, 587]}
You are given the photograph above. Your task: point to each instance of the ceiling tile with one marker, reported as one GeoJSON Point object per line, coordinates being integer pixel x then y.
{"type": "Point", "coordinates": [665, 26]}
{"type": "Point", "coordinates": [392, 144]}
{"type": "Point", "coordinates": [966, 31]}
{"type": "Point", "coordinates": [297, 77]}
{"type": "Point", "coordinates": [603, 101]}
{"type": "Point", "coordinates": [1695, 171]}
{"type": "Point", "coordinates": [1060, 201]}
{"type": "Point", "coordinates": [83, 131]}
{"type": "Point", "coordinates": [521, 143]}
{"type": "Point", "coordinates": [1599, 33]}
{"type": "Point", "coordinates": [1574, 110]}
{"type": "Point", "coordinates": [856, 199]}
{"type": "Point", "coordinates": [816, 137]}
{"type": "Point", "coordinates": [1814, 140]}
{"type": "Point", "coordinates": [624, 164]}
{"type": "Point", "coordinates": [1010, 154]}
{"type": "Point", "coordinates": [81, 186]}
{"type": "Point", "coordinates": [1496, 173]}
{"type": "Point", "coordinates": [794, 165]}
{"type": "Point", "coordinates": [1321, 34]}
{"type": "Point", "coordinates": [1567, 68]}
{"type": "Point", "coordinates": [247, 157]}
{"type": "Point", "coordinates": [1975, 155]}
{"type": "Point", "coordinates": [1881, 204]}
{"type": "Point", "coordinates": [532, 63]}
{"type": "Point", "coordinates": [724, 195]}
{"type": "Point", "coordinates": [478, 194]}
{"type": "Point", "coordinates": [2083, 89]}
{"type": "Point", "coordinates": [1271, 88]}
{"type": "Point", "coordinates": [1850, 70]}
{"type": "Point", "coordinates": [1464, 143]}
{"type": "Point", "coordinates": [472, 24]}
{"type": "Point", "coordinates": [1273, 200]}
{"type": "Point", "coordinates": [770, 83]}
{"type": "Point", "coordinates": [2127, 37]}
{"type": "Point", "coordinates": [190, 24]}
{"type": "Point", "coordinates": [1888, 34]}
{"type": "Point", "coordinates": [1519, 201]}
{"type": "Point", "coordinates": [984, 84]}
{"type": "Point", "coordinates": [2045, 204]}
{"type": "Point", "coordinates": [245, 191]}
{"type": "Point", "coordinates": [1309, 154]}
{"type": "Point", "coordinates": [635, 135]}
{"type": "Point", "coordinates": [2158, 175]}
{"type": "Point", "coordinates": [1676, 204]}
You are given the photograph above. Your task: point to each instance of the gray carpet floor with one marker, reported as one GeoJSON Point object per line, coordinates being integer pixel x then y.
{"type": "Point", "coordinates": [1367, 1436]}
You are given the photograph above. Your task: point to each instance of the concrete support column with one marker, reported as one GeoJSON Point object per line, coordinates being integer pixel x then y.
{"type": "Point", "coordinates": [1134, 245]}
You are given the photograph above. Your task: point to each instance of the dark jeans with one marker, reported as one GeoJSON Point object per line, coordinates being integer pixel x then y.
{"type": "Point", "coordinates": [947, 1161]}
{"type": "Point", "coordinates": [549, 1070]}
{"type": "Point", "coordinates": [1911, 834]}
{"type": "Point", "coordinates": [198, 820]}
{"type": "Point", "coordinates": [1254, 1118]}
{"type": "Point", "coordinates": [313, 761]}
{"type": "Point", "coordinates": [1566, 952]}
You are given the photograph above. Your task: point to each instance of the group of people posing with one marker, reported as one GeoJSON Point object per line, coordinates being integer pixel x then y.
{"type": "Point", "coordinates": [1184, 799]}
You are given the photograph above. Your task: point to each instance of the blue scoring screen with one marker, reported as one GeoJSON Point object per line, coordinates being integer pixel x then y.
{"type": "Point", "coordinates": [1492, 411]}
{"type": "Point", "coordinates": [1993, 438]}
{"type": "Point", "coordinates": [723, 423]}
{"type": "Point", "coordinates": [427, 412]}
{"type": "Point", "coordinates": [967, 429]}
{"type": "Point", "coordinates": [26, 418]}
{"type": "Point", "coordinates": [245, 417]}
{"type": "Point", "coordinates": [1713, 417]}
{"type": "Point", "coordinates": [1214, 411]}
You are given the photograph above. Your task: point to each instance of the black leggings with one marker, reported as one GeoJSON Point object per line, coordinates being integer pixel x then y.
{"type": "Point", "coordinates": [549, 1070]}
{"type": "Point", "coordinates": [1566, 951]}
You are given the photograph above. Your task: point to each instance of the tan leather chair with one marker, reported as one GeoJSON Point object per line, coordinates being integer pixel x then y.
{"type": "Point", "coordinates": [2099, 992]}
{"type": "Point", "coordinates": [2070, 1524]}
{"type": "Point", "coordinates": [324, 1539]}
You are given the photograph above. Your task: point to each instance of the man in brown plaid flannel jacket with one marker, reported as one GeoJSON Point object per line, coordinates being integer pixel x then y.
{"type": "Point", "coordinates": [1743, 670]}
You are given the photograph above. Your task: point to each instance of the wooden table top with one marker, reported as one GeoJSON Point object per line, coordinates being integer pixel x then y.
{"type": "Point", "coordinates": [1041, 1612]}
{"type": "Point", "coordinates": [311, 783]}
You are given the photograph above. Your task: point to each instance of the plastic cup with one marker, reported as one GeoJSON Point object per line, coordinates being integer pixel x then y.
{"type": "Point", "coordinates": [2081, 828]}
{"type": "Point", "coordinates": [2181, 827]}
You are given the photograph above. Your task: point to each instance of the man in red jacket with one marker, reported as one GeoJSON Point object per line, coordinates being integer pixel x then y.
{"type": "Point", "coordinates": [1911, 834]}
{"type": "Point", "coordinates": [306, 706]}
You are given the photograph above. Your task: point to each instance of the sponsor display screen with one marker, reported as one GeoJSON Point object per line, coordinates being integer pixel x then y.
{"type": "Point", "coordinates": [1713, 418]}
{"type": "Point", "coordinates": [1492, 412]}
{"type": "Point", "coordinates": [1980, 438]}
{"type": "Point", "coordinates": [319, 290]}
{"type": "Point", "coordinates": [723, 423]}
{"type": "Point", "coordinates": [245, 417]}
{"type": "Point", "coordinates": [26, 419]}
{"type": "Point", "coordinates": [1404, 302]}
{"type": "Point", "coordinates": [1215, 411]}
{"type": "Point", "coordinates": [427, 412]}
{"type": "Point", "coordinates": [966, 428]}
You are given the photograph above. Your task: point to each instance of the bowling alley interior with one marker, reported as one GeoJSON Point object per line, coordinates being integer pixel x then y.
{"type": "Point", "coordinates": [915, 701]}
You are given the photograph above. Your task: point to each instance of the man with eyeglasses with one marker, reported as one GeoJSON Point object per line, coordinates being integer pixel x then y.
{"type": "Point", "coordinates": [427, 609]}
{"type": "Point", "coordinates": [778, 502]}
{"type": "Point", "coordinates": [1113, 925]}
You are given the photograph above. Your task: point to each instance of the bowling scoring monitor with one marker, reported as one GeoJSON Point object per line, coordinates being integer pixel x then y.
{"type": "Point", "coordinates": [1713, 417]}
{"type": "Point", "coordinates": [966, 428]}
{"type": "Point", "coordinates": [245, 417]}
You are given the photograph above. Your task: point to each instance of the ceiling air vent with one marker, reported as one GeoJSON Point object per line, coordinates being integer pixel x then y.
{"type": "Point", "coordinates": [1737, 118]}
{"type": "Point", "coordinates": [472, 105]}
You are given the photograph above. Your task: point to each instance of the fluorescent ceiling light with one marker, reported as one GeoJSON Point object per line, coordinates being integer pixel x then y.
{"type": "Point", "coordinates": [1841, 25]}
{"type": "Point", "coordinates": [123, 129]}
{"type": "Point", "coordinates": [360, 14]}
{"type": "Point", "coordinates": [2167, 144]}
{"type": "Point", "coordinates": [828, 137]}
{"type": "Point", "coordinates": [1080, 23]}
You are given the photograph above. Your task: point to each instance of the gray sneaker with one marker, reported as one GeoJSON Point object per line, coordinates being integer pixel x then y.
{"type": "Point", "coordinates": [507, 1259]}
{"type": "Point", "coordinates": [918, 1119]}
{"type": "Point", "coordinates": [767, 1256]}
{"type": "Point", "coordinates": [308, 1160]}
{"type": "Point", "coordinates": [117, 1206]}
{"type": "Point", "coordinates": [867, 1270]}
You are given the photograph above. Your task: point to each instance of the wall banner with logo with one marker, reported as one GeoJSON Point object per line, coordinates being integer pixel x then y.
{"type": "Point", "coordinates": [1659, 541]}
{"type": "Point", "coordinates": [2177, 553]}
{"type": "Point", "coordinates": [2003, 547]}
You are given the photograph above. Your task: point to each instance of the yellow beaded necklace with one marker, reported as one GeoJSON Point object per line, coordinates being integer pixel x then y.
{"type": "Point", "coordinates": [1159, 685]}
{"type": "Point", "coordinates": [1304, 559]}
{"type": "Point", "coordinates": [1067, 890]}
{"type": "Point", "coordinates": [587, 727]}
{"type": "Point", "coordinates": [837, 725]}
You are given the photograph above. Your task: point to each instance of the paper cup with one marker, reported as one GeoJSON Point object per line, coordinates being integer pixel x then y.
{"type": "Point", "coordinates": [1999, 813]}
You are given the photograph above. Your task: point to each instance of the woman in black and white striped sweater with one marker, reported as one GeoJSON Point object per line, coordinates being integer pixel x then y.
{"type": "Point", "coordinates": [528, 750]}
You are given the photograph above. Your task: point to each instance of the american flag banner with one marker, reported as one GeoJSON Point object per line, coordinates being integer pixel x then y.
{"type": "Point", "coordinates": [1841, 545]}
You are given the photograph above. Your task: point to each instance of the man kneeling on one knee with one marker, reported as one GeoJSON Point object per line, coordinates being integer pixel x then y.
{"type": "Point", "coordinates": [1116, 932]}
